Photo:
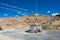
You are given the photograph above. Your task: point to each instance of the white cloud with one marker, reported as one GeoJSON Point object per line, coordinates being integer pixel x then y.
{"type": "Point", "coordinates": [36, 14]}
{"type": "Point", "coordinates": [19, 12]}
{"type": "Point", "coordinates": [16, 15]}
{"type": "Point", "coordinates": [23, 14]}
{"type": "Point", "coordinates": [5, 14]}
{"type": "Point", "coordinates": [48, 11]}
{"type": "Point", "coordinates": [54, 14]}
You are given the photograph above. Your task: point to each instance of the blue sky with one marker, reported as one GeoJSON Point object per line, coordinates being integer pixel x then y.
{"type": "Point", "coordinates": [19, 8]}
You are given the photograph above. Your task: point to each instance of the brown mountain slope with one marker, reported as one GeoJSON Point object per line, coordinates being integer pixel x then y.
{"type": "Point", "coordinates": [46, 22]}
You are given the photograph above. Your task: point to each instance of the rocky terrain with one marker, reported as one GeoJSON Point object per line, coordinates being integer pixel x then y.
{"type": "Point", "coordinates": [24, 22]}
{"type": "Point", "coordinates": [12, 28]}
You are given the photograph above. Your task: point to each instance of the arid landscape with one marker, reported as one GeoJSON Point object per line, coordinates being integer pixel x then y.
{"type": "Point", "coordinates": [29, 19]}
{"type": "Point", "coordinates": [47, 22]}
{"type": "Point", "coordinates": [12, 28]}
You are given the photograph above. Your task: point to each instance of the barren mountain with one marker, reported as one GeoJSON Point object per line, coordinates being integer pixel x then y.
{"type": "Point", "coordinates": [24, 22]}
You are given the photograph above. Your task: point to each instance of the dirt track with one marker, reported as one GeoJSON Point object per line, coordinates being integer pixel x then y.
{"type": "Point", "coordinates": [22, 35]}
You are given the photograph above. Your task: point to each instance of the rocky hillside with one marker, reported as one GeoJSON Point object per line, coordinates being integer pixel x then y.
{"type": "Point", "coordinates": [46, 22]}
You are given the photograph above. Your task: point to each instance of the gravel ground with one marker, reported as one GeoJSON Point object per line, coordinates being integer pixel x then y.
{"type": "Point", "coordinates": [22, 35]}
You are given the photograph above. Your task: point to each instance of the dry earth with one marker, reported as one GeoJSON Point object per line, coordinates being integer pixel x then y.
{"type": "Point", "coordinates": [24, 22]}
{"type": "Point", "coordinates": [22, 35]}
